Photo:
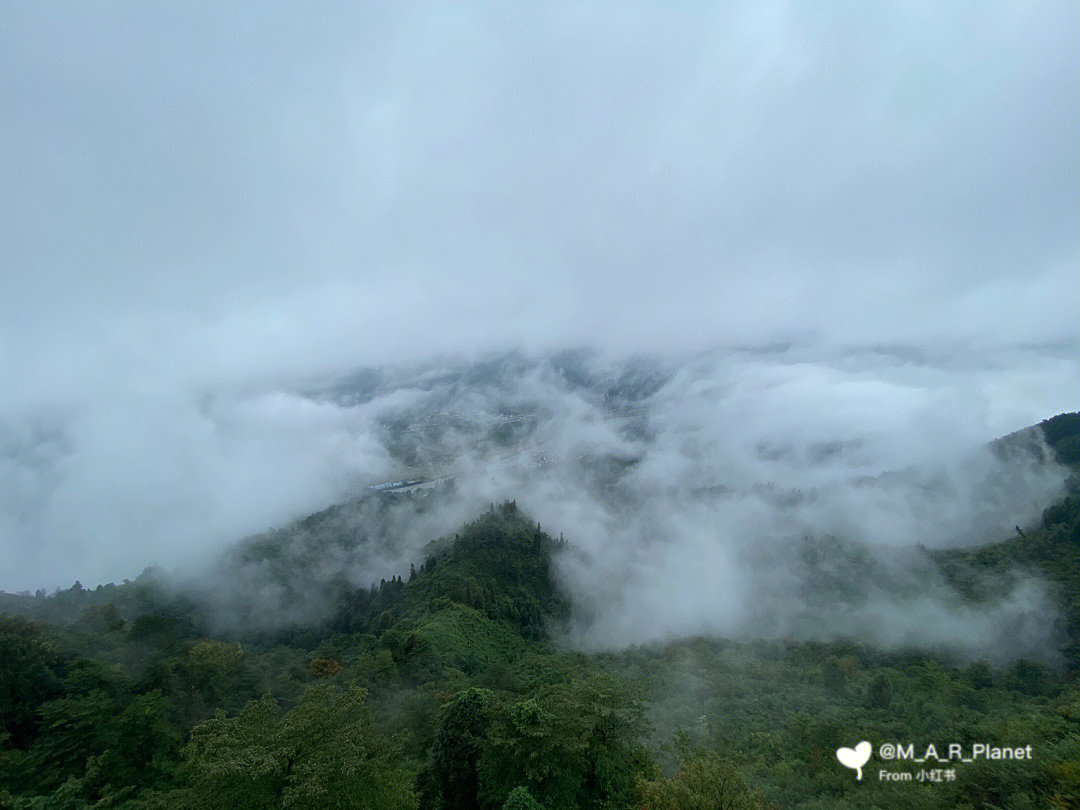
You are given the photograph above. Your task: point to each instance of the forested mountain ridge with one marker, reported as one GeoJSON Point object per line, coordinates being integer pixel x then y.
{"type": "Point", "coordinates": [1050, 549]}
{"type": "Point", "coordinates": [498, 565]}
{"type": "Point", "coordinates": [449, 686]}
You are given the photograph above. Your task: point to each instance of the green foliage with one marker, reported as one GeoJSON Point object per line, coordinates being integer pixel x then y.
{"type": "Point", "coordinates": [705, 782]}
{"type": "Point", "coordinates": [880, 693]}
{"type": "Point", "coordinates": [1062, 433]}
{"type": "Point", "coordinates": [521, 799]}
{"type": "Point", "coordinates": [572, 745]}
{"type": "Point", "coordinates": [116, 697]}
{"type": "Point", "coordinates": [462, 638]}
{"type": "Point", "coordinates": [454, 772]}
{"type": "Point", "coordinates": [324, 750]}
{"type": "Point", "coordinates": [498, 565]}
{"type": "Point", "coordinates": [1051, 550]}
{"type": "Point", "coordinates": [30, 673]}
{"type": "Point", "coordinates": [127, 736]}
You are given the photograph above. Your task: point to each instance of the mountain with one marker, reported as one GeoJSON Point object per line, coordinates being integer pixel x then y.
{"type": "Point", "coordinates": [1050, 549]}
{"type": "Point", "coordinates": [449, 681]}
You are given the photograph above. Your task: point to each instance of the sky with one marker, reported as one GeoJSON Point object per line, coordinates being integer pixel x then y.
{"type": "Point", "coordinates": [204, 208]}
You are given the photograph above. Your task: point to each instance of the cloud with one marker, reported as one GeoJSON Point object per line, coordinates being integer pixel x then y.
{"type": "Point", "coordinates": [849, 237]}
{"type": "Point", "coordinates": [746, 493]}
{"type": "Point", "coordinates": [548, 176]}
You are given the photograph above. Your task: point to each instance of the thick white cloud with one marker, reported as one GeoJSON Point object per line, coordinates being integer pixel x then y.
{"type": "Point", "coordinates": [204, 207]}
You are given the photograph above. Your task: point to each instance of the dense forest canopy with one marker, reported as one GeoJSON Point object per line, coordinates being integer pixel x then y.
{"type": "Point", "coordinates": [452, 685]}
{"type": "Point", "coordinates": [538, 406]}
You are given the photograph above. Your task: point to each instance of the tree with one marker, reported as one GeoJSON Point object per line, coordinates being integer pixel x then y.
{"type": "Point", "coordinates": [455, 756]}
{"type": "Point", "coordinates": [30, 674]}
{"type": "Point", "coordinates": [521, 799]}
{"type": "Point", "coordinates": [325, 667]}
{"type": "Point", "coordinates": [702, 783]}
{"type": "Point", "coordinates": [573, 745]}
{"type": "Point", "coordinates": [880, 693]}
{"type": "Point", "coordinates": [324, 752]}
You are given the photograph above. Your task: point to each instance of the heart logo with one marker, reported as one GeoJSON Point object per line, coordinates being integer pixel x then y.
{"type": "Point", "coordinates": [855, 758]}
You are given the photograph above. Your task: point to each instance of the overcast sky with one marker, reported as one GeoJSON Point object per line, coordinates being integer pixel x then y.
{"type": "Point", "coordinates": [200, 197]}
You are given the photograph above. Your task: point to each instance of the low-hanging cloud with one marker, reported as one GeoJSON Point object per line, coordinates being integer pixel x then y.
{"type": "Point", "coordinates": [740, 493]}
{"type": "Point", "coordinates": [847, 240]}
{"type": "Point", "coordinates": [751, 495]}
{"type": "Point", "coordinates": [765, 496]}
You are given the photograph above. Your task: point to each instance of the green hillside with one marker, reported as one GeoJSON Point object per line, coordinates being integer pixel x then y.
{"type": "Point", "coordinates": [1050, 550]}
{"type": "Point", "coordinates": [451, 687]}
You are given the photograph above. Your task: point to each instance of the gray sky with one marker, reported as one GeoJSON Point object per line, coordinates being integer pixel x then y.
{"type": "Point", "coordinates": [198, 198]}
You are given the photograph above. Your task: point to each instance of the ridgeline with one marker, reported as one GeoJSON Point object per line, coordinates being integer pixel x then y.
{"type": "Point", "coordinates": [448, 687]}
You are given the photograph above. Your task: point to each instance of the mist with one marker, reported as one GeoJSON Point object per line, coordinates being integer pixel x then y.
{"type": "Point", "coordinates": [731, 494]}
{"type": "Point", "coordinates": [761, 281]}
